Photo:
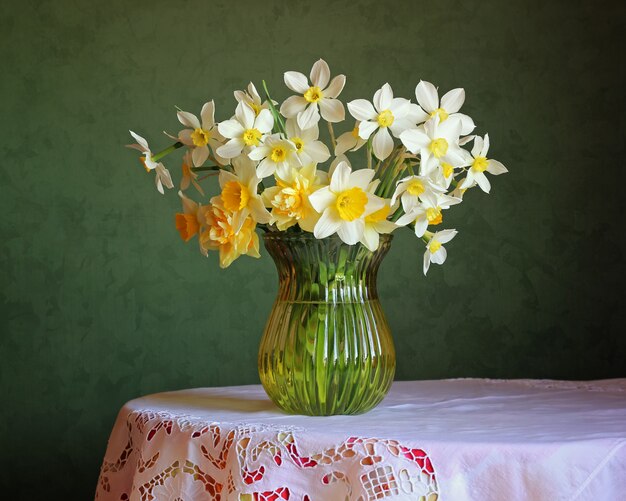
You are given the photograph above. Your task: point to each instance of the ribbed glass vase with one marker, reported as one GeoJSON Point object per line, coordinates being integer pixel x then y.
{"type": "Point", "coordinates": [326, 348]}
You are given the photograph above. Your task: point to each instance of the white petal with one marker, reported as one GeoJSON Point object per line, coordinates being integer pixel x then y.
{"type": "Point", "coordinates": [335, 87]}
{"type": "Point", "coordinates": [332, 110]}
{"type": "Point", "coordinates": [370, 238]}
{"type": "Point", "coordinates": [400, 107]}
{"type": "Point", "coordinates": [231, 149]}
{"type": "Point", "coordinates": [478, 146]}
{"type": "Point", "coordinates": [416, 114]}
{"type": "Point", "coordinates": [245, 115]}
{"type": "Point", "coordinates": [496, 168]}
{"type": "Point", "coordinates": [426, 261]}
{"type": "Point", "coordinates": [199, 155]}
{"type": "Point", "coordinates": [427, 96]}
{"type": "Point", "coordinates": [318, 151]}
{"type": "Point", "coordinates": [383, 97]}
{"type": "Point", "coordinates": [292, 106]}
{"type": "Point", "coordinates": [453, 100]}
{"type": "Point", "coordinates": [366, 129]}
{"type": "Point", "coordinates": [340, 178]}
{"type": "Point", "coordinates": [320, 74]}
{"type": "Point", "coordinates": [345, 142]}
{"type": "Point", "coordinates": [208, 115]}
{"type": "Point", "coordinates": [467, 124]}
{"type": "Point", "coordinates": [361, 178]}
{"type": "Point", "coordinates": [351, 231]}
{"type": "Point", "coordinates": [188, 119]}
{"type": "Point", "coordinates": [482, 181]}
{"type": "Point", "coordinates": [414, 140]}
{"type": "Point", "coordinates": [265, 169]}
{"type": "Point", "coordinates": [485, 148]}
{"type": "Point", "coordinates": [439, 257]}
{"type": "Point", "coordinates": [382, 144]}
{"type": "Point", "coordinates": [264, 121]}
{"type": "Point", "coordinates": [259, 153]}
{"type": "Point", "coordinates": [230, 129]}
{"type": "Point", "coordinates": [140, 141]}
{"type": "Point", "coordinates": [445, 236]}
{"type": "Point", "coordinates": [296, 81]}
{"type": "Point", "coordinates": [399, 126]}
{"type": "Point", "coordinates": [308, 117]}
{"type": "Point", "coordinates": [421, 225]}
{"type": "Point", "coordinates": [362, 109]}
{"type": "Point", "coordinates": [328, 224]}
{"type": "Point", "coordinates": [468, 181]}
{"type": "Point", "coordinates": [322, 198]}
{"type": "Point", "coordinates": [184, 136]}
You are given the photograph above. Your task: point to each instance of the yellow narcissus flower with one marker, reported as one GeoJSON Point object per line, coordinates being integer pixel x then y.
{"type": "Point", "coordinates": [289, 199]}
{"type": "Point", "coordinates": [231, 233]}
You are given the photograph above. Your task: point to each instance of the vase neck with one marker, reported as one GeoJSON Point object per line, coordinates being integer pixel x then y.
{"type": "Point", "coordinates": [326, 270]}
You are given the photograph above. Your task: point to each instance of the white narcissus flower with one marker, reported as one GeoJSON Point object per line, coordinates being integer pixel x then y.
{"type": "Point", "coordinates": [451, 102]}
{"type": "Point", "coordinates": [308, 148]}
{"type": "Point", "coordinates": [252, 98]}
{"type": "Point", "coordinates": [240, 190]}
{"type": "Point", "coordinates": [321, 94]}
{"type": "Point", "coordinates": [412, 189]}
{"type": "Point", "coordinates": [245, 131]}
{"type": "Point", "coordinates": [349, 140]}
{"type": "Point", "coordinates": [274, 153]}
{"type": "Point", "coordinates": [435, 251]}
{"type": "Point", "coordinates": [163, 177]}
{"type": "Point", "coordinates": [345, 204]}
{"type": "Point", "coordinates": [387, 113]}
{"type": "Point", "coordinates": [428, 212]}
{"type": "Point", "coordinates": [289, 199]}
{"type": "Point", "coordinates": [200, 135]}
{"type": "Point", "coordinates": [436, 142]}
{"type": "Point", "coordinates": [479, 164]}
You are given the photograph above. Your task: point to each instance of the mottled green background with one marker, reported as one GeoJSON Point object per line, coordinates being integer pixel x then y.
{"type": "Point", "coordinates": [101, 302]}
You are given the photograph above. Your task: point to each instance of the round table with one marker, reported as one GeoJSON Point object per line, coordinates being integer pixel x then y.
{"type": "Point", "coordinates": [459, 439]}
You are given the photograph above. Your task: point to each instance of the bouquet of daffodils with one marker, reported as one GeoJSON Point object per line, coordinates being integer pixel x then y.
{"type": "Point", "coordinates": [412, 168]}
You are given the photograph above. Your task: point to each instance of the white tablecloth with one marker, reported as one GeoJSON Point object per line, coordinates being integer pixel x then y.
{"type": "Point", "coordinates": [462, 439]}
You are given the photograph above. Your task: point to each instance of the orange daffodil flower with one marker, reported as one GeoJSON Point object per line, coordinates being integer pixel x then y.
{"type": "Point", "coordinates": [230, 233]}
{"type": "Point", "coordinates": [417, 149]}
{"type": "Point", "coordinates": [240, 191]}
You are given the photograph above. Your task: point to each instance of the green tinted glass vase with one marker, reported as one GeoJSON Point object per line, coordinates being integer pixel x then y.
{"type": "Point", "coordinates": [326, 348]}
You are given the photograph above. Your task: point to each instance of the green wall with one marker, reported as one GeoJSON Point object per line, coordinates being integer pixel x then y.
{"type": "Point", "coordinates": [101, 302]}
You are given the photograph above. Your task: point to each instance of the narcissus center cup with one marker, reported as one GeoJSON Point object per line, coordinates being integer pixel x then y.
{"type": "Point", "coordinates": [327, 348]}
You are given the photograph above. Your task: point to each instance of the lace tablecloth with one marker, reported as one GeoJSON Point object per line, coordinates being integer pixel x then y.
{"type": "Point", "coordinates": [463, 439]}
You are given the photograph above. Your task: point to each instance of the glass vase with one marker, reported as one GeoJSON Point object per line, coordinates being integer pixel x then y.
{"type": "Point", "coordinates": [327, 348]}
